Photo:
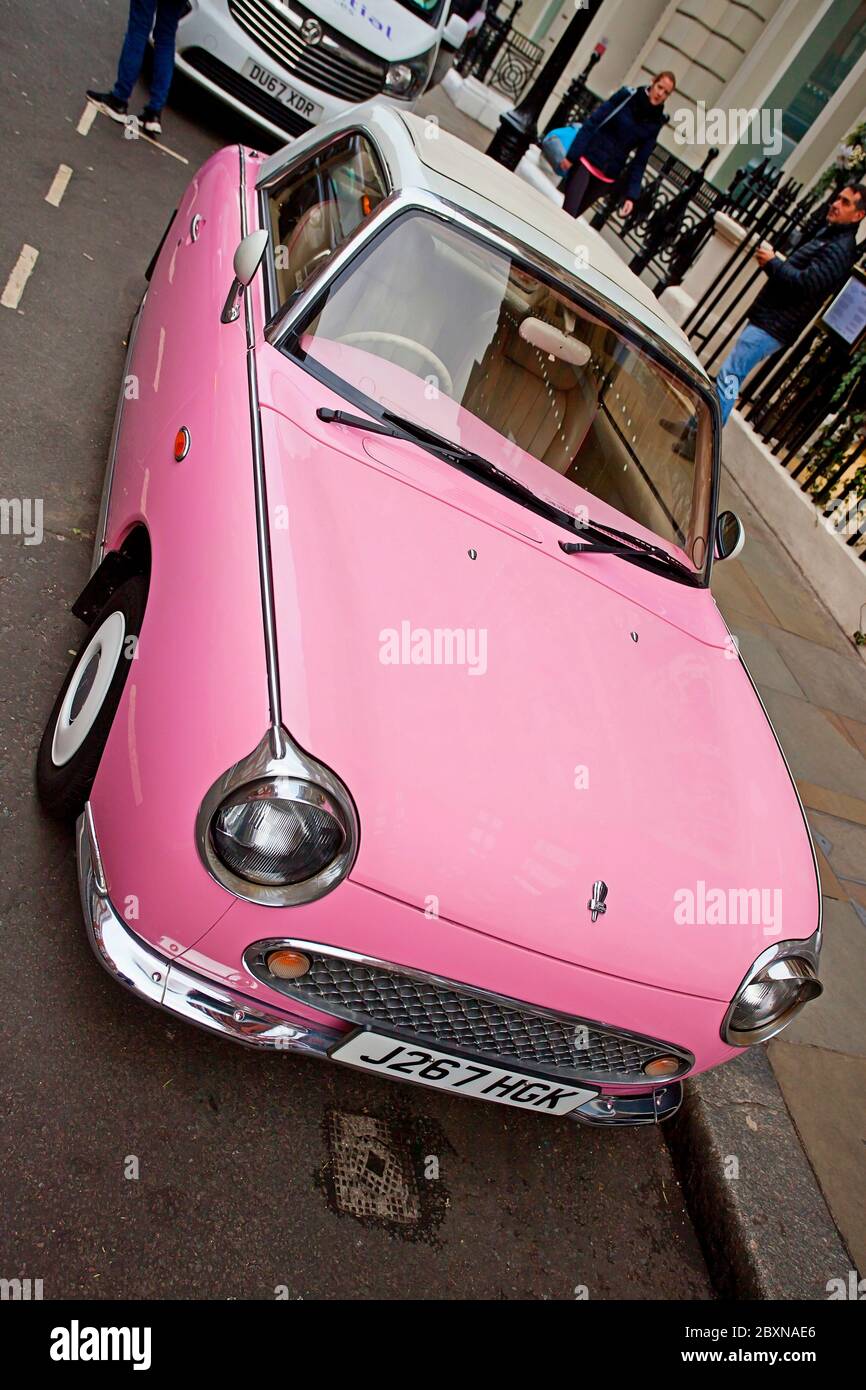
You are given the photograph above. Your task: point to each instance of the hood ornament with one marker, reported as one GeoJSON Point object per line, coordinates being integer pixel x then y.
{"type": "Point", "coordinates": [597, 901]}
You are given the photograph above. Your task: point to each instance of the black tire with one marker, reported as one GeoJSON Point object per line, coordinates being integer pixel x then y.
{"type": "Point", "coordinates": [64, 785]}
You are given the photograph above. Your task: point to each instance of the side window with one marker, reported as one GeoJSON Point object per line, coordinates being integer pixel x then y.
{"type": "Point", "coordinates": [318, 206]}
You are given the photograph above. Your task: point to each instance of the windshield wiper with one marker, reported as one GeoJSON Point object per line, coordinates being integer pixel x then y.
{"type": "Point", "coordinates": [465, 459]}
{"type": "Point", "coordinates": [635, 550]}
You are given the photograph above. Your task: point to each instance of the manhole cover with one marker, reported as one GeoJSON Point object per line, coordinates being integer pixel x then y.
{"type": "Point", "coordinates": [371, 1172]}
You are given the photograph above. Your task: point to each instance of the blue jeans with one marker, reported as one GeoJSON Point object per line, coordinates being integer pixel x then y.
{"type": "Point", "coordinates": [141, 17]}
{"type": "Point", "coordinates": [752, 346]}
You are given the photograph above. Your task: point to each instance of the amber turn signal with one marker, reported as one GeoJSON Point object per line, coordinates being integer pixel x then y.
{"type": "Point", "coordinates": [661, 1066]}
{"type": "Point", "coordinates": [288, 965]}
{"type": "Point", "coordinates": [181, 444]}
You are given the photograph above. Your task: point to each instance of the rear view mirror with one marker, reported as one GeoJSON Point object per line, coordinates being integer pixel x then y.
{"type": "Point", "coordinates": [547, 338]}
{"type": "Point", "coordinates": [247, 259]}
{"type": "Point", "coordinates": [730, 535]}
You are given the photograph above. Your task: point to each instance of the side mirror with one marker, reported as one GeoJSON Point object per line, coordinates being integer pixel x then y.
{"type": "Point", "coordinates": [455, 31]}
{"type": "Point", "coordinates": [247, 259]}
{"type": "Point", "coordinates": [730, 535]}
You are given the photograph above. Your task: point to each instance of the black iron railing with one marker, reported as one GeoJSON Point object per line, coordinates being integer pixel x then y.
{"type": "Point", "coordinates": [578, 101]}
{"type": "Point", "coordinates": [499, 55]}
{"type": "Point", "coordinates": [671, 221]}
{"type": "Point", "coordinates": [808, 401]}
{"type": "Point", "coordinates": [515, 65]}
{"type": "Point", "coordinates": [768, 209]}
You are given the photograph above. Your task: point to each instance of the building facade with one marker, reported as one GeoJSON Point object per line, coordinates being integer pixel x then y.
{"type": "Point", "coordinates": [786, 78]}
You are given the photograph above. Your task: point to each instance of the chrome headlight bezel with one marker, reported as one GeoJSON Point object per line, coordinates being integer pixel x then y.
{"type": "Point", "coordinates": [784, 961]}
{"type": "Point", "coordinates": [420, 68]}
{"type": "Point", "coordinates": [290, 769]}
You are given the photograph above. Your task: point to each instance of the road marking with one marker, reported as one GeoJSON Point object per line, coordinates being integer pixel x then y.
{"type": "Point", "coordinates": [18, 277]}
{"type": "Point", "coordinates": [88, 116]}
{"type": "Point", "coordinates": [150, 140]}
{"type": "Point", "coordinates": [58, 185]}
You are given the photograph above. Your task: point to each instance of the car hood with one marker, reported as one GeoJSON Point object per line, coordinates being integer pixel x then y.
{"type": "Point", "coordinates": [514, 728]}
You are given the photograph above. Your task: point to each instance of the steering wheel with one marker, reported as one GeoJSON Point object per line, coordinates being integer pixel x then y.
{"type": "Point", "coordinates": [319, 256]}
{"type": "Point", "coordinates": [303, 275]}
{"type": "Point", "coordinates": [374, 335]}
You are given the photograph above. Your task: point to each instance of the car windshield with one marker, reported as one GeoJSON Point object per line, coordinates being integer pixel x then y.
{"type": "Point", "coordinates": [438, 325]}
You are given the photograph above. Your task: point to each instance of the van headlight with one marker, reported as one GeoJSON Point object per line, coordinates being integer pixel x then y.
{"type": "Point", "coordinates": [780, 982]}
{"type": "Point", "coordinates": [408, 79]}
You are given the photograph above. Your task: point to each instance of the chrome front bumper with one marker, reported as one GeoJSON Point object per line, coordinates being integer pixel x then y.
{"type": "Point", "coordinates": [169, 985]}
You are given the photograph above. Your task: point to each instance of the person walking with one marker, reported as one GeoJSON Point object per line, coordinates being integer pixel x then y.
{"type": "Point", "coordinates": [162, 16]}
{"type": "Point", "coordinates": [630, 120]}
{"type": "Point", "coordinates": [797, 287]}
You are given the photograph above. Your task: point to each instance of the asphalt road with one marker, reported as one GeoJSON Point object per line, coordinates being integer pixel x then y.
{"type": "Point", "coordinates": [238, 1189]}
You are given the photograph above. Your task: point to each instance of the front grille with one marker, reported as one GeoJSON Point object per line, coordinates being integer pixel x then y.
{"type": "Point", "coordinates": [334, 64]}
{"type": "Point", "coordinates": [245, 91]}
{"type": "Point", "coordinates": [447, 1015]}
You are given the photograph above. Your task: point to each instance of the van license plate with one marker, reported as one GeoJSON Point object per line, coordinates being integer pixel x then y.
{"type": "Point", "coordinates": [282, 92]}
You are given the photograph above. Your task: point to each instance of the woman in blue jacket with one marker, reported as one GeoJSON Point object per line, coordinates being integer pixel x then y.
{"type": "Point", "coordinates": [630, 120]}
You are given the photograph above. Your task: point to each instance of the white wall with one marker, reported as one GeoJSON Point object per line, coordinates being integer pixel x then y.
{"type": "Point", "coordinates": [830, 566]}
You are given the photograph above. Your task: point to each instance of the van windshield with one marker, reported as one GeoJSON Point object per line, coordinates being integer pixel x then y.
{"type": "Point", "coordinates": [427, 9]}
{"type": "Point", "coordinates": [433, 322]}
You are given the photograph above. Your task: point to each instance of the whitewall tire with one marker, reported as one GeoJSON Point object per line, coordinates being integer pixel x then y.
{"type": "Point", "coordinates": [80, 722]}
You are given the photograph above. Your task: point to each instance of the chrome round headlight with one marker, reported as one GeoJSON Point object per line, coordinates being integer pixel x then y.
{"type": "Point", "coordinates": [278, 831]}
{"type": "Point", "coordinates": [768, 999]}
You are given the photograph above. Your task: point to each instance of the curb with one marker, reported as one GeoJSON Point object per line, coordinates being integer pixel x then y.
{"type": "Point", "coordinates": [766, 1233]}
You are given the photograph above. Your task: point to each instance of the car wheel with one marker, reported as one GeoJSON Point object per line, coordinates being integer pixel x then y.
{"type": "Point", "coordinates": [78, 727]}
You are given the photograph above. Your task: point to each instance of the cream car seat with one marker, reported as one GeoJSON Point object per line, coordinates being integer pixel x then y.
{"type": "Point", "coordinates": [546, 407]}
{"type": "Point", "coordinates": [312, 238]}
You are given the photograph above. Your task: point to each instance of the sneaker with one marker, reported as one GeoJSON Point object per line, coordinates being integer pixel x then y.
{"type": "Point", "coordinates": [150, 121]}
{"type": "Point", "coordinates": [109, 103]}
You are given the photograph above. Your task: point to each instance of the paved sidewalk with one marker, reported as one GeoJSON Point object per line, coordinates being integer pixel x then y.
{"type": "Point", "coordinates": [813, 683]}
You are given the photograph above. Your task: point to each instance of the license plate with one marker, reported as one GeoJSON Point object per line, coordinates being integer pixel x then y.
{"type": "Point", "coordinates": [281, 91]}
{"type": "Point", "coordinates": [468, 1076]}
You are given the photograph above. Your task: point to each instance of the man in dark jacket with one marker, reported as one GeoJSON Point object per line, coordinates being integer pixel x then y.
{"type": "Point", "coordinates": [628, 121]}
{"type": "Point", "coordinates": [797, 287]}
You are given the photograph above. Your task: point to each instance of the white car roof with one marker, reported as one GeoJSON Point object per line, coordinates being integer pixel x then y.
{"type": "Point", "coordinates": [420, 154]}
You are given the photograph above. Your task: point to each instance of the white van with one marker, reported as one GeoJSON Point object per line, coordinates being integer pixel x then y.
{"type": "Point", "coordinates": [290, 65]}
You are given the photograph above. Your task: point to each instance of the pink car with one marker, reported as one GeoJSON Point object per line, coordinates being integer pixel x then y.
{"type": "Point", "coordinates": [407, 731]}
